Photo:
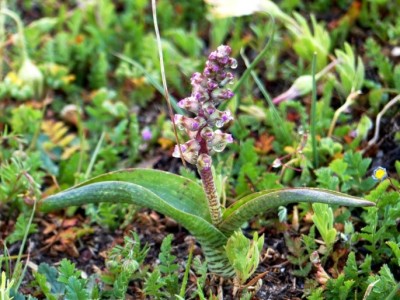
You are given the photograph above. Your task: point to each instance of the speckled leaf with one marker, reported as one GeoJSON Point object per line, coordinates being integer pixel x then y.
{"type": "Point", "coordinates": [172, 195]}
{"type": "Point", "coordinates": [181, 193]}
{"type": "Point", "coordinates": [257, 203]}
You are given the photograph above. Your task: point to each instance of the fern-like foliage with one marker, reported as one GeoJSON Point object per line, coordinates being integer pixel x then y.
{"type": "Point", "coordinates": [163, 282]}
{"type": "Point", "coordinates": [66, 282]}
{"type": "Point", "coordinates": [125, 263]}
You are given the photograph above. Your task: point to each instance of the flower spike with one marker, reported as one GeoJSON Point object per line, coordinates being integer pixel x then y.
{"type": "Point", "coordinates": [208, 91]}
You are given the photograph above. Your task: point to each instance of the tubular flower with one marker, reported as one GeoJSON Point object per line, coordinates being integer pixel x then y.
{"type": "Point", "coordinates": [208, 91]}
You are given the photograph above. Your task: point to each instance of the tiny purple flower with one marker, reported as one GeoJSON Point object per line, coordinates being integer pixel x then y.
{"type": "Point", "coordinates": [190, 104]}
{"type": "Point", "coordinates": [196, 78]}
{"type": "Point", "coordinates": [207, 133]}
{"type": "Point", "coordinates": [204, 162]}
{"type": "Point", "coordinates": [147, 134]}
{"type": "Point", "coordinates": [212, 85]}
{"type": "Point", "coordinates": [190, 151]}
{"type": "Point", "coordinates": [223, 60]}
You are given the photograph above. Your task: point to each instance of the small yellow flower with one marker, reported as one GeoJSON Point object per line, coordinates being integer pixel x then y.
{"type": "Point", "coordinates": [380, 174]}
{"type": "Point", "coordinates": [54, 68]}
{"type": "Point", "coordinates": [68, 78]}
{"type": "Point", "coordinates": [13, 78]}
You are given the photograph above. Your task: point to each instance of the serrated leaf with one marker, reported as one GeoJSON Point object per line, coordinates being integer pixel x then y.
{"type": "Point", "coordinates": [21, 226]}
{"type": "Point", "coordinates": [75, 290]}
{"type": "Point", "coordinates": [67, 270]}
{"type": "Point", "coordinates": [338, 166]}
{"type": "Point", "coordinates": [396, 250]}
{"type": "Point", "coordinates": [45, 287]}
{"type": "Point", "coordinates": [351, 270]}
{"type": "Point", "coordinates": [51, 274]}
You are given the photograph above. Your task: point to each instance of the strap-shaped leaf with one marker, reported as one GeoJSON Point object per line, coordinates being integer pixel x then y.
{"type": "Point", "coordinates": [182, 193]}
{"type": "Point", "coordinates": [257, 203]}
{"type": "Point", "coordinates": [123, 192]}
{"type": "Point", "coordinates": [169, 194]}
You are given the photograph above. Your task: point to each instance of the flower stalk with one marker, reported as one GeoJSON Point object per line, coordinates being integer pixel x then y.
{"type": "Point", "coordinates": [207, 180]}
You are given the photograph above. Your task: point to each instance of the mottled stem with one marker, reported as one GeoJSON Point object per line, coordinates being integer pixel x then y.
{"type": "Point", "coordinates": [211, 192]}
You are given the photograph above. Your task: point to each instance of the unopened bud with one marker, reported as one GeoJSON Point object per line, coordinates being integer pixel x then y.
{"type": "Point", "coordinates": [314, 258]}
{"type": "Point", "coordinates": [207, 133]}
{"type": "Point", "coordinates": [197, 78]}
{"type": "Point", "coordinates": [223, 50]}
{"type": "Point", "coordinates": [276, 163]}
{"type": "Point", "coordinates": [200, 93]}
{"type": "Point", "coordinates": [209, 109]}
{"type": "Point", "coordinates": [204, 161]}
{"type": "Point", "coordinates": [190, 124]}
{"type": "Point", "coordinates": [300, 87]}
{"type": "Point", "coordinates": [31, 76]}
{"type": "Point", "coordinates": [190, 104]}
{"type": "Point", "coordinates": [220, 95]}
{"type": "Point", "coordinates": [70, 113]}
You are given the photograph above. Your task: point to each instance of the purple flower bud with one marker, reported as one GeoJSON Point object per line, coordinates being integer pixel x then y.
{"type": "Point", "coordinates": [146, 134]}
{"type": "Point", "coordinates": [213, 67]}
{"type": "Point", "coordinates": [227, 94]}
{"type": "Point", "coordinates": [196, 78]}
{"type": "Point", "coordinates": [224, 60]}
{"type": "Point", "coordinates": [224, 50]}
{"type": "Point", "coordinates": [190, 124]}
{"type": "Point", "coordinates": [200, 93]}
{"type": "Point", "coordinates": [212, 85]}
{"type": "Point", "coordinates": [207, 72]}
{"type": "Point", "coordinates": [220, 95]}
{"type": "Point", "coordinates": [227, 79]}
{"type": "Point", "coordinates": [190, 104]}
{"type": "Point", "coordinates": [190, 151]}
{"type": "Point", "coordinates": [221, 76]}
{"type": "Point", "coordinates": [208, 109]}
{"type": "Point", "coordinates": [204, 162]}
{"type": "Point", "coordinates": [213, 55]}
{"type": "Point", "coordinates": [207, 133]}
{"type": "Point", "coordinates": [226, 116]}
{"type": "Point", "coordinates": [220, 118]}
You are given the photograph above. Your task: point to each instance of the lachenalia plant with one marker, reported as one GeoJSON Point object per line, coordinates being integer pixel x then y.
{"type": "Point", "coordinates": [196, 207]}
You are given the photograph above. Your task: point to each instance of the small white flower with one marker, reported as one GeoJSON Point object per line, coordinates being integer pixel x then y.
{"type": "Point", "coordinates": [237, 8]}
{"type": "Point", "coordinates": [234, 8]}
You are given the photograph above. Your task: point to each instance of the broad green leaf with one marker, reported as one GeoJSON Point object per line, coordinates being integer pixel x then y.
{"type": "Point", "coordinates": [124, 192]}
{"type": "Point", "coordinates": [179, 192]}
{"type": "Point", "coordinates": [171, 195]}
{"type": "Point", "coordinates": [257, 203]}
